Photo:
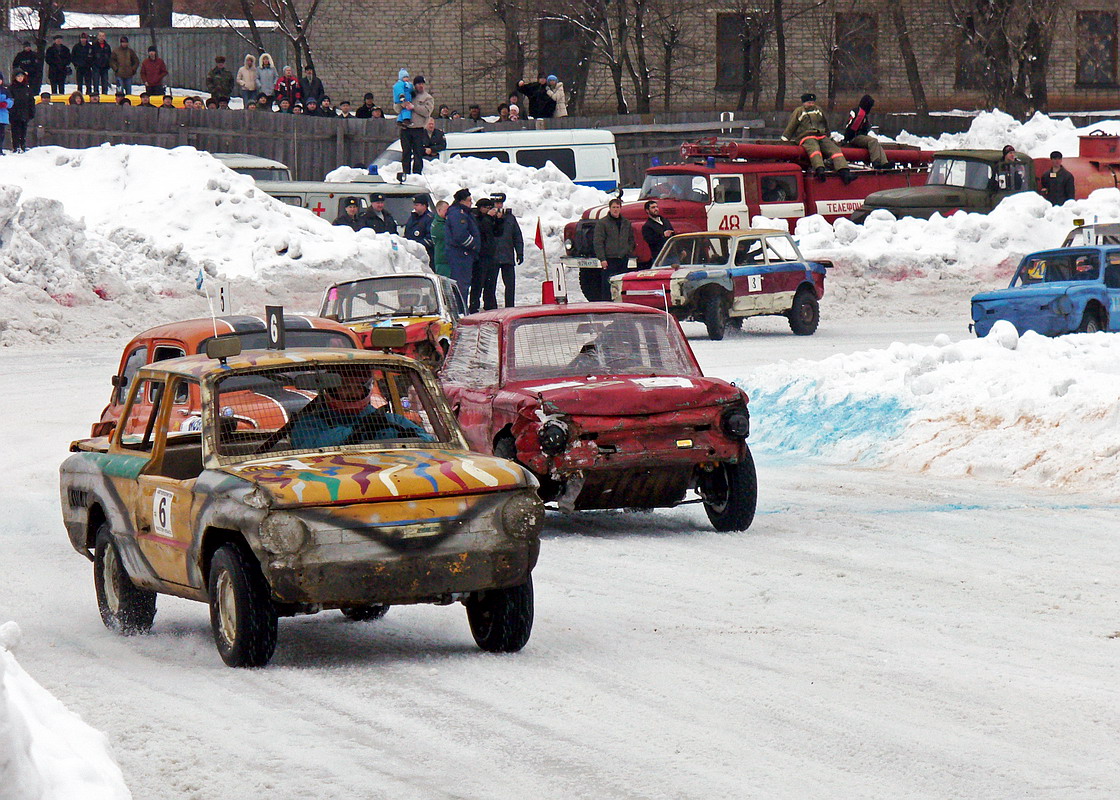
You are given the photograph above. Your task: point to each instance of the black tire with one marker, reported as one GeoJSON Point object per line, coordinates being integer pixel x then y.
{"type": "Point", "coordinates": [730, 494]}
{"type": "Point", "coordinates": [364, 613]}
{"type": "Point", "coordinates": [505, 447]}
{"type": "Point", "coordinates": [124, 607]}
{"type": "Point", "coordinates": [502, 619]}
{"type": "Point", "coordinates": [716, 312]}
{"type": "Point", "coordinates": [1090, 322]}
{"type": "Point", "coordinates": [591, 284]}
{"type": "Point", "coordinates": [241, 613]}
{"type": "Point", "coordinates": [805, 314]}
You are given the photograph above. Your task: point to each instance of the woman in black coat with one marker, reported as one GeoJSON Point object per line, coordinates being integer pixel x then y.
{"type": "Point", "coordinates": [22, 110]}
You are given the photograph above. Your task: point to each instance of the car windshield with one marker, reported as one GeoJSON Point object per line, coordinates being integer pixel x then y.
{"type": "Point", "coordinates": [572, 345]}
{"type": "Point", "coordinates": [692, 250]}
{"type": "Point", "coordinates": [1058, 268]}
{"type": "Point", "coordinates": [962, 172]}
{"type": "Point", "coordinates": [685, 186]}
{"type": "Point", "coordinates": [388, 296]}
{"type": "Point", "coordinates": [307, 407]}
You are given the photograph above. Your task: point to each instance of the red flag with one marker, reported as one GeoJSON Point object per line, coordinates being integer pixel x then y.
{"type": "Point", "coordinates": [540, 239]}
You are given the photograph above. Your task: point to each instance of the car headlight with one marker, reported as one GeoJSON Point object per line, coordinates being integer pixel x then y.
{"type": "Point", "coordinates": [553, 438]}
{"type": "Point", "coordinates": [523, 515]}
{"type": "Point", "coordinates": [569, 245]}
{"type": "Point", "coordinates": [283, 533]}
{"type": "Point", "coordinates": [736, 422]}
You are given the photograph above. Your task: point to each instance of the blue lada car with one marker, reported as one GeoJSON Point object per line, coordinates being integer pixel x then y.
{"type": "Point", "coordinates": [1066, 290]}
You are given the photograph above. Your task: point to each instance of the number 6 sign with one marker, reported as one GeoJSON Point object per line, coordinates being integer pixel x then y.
{"type": "Point", "coordinates": [161, 512]}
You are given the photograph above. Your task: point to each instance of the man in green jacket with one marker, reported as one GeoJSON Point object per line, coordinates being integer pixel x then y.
{"type": "Point", "coordinates": [439, 238]}
{"type": "Point", "coordinates": [808, 127]}
{"type": "Point", "coordinates": [614, 244]}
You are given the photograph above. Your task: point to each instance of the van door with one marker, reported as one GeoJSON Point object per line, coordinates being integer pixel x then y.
{"type": "Point", "coordinates": [780, 197]}
{"type": "Point", "coordinates": [728, 210]}
{"type": "Point", "coordinates": [319, 203]}
{"type": "Point", "coordinates": [596, 167]}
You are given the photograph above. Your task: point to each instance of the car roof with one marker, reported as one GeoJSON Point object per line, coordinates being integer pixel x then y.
{"type": "Point", "coordinates": [506, 315]}
{"type": "Point", "coordinates": [343, 188]}
{"type": "Point", "coordinates": [234, 160]}
{"type": "Point", "coordinates": [201, 366]}
{"type": "Point", "coordinates": [193, 331]}
{"type": "Point", "coordinates": [431, 276]}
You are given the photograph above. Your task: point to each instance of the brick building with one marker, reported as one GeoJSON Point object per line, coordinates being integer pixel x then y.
{"type": "Point", "coordinates": [460, 45]}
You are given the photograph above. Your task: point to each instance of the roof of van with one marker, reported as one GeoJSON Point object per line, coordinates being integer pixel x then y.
{"type": "Point", "coordinates": [481, 139]}
{"type": "Point", "coordinates": [342, 188]}
{"type": "Point", "coordinates": [245, 160]}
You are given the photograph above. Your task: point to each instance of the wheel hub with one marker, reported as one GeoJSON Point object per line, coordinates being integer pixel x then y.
{"type": "Point", "coordinates": [111, 569]}
{"type": "Point", "coordinates": [227, 608]}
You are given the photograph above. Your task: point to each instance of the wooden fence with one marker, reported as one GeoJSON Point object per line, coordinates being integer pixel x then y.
{"type": "Point", "coordinates": [188, 52]}
{"type": "Point", "coordinates": [314, 146]}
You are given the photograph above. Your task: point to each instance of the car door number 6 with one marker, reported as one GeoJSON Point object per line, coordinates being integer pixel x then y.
{"type": "Point", "coordinates": [161, 511]}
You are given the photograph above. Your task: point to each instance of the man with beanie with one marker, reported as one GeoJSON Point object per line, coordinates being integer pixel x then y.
{"type": "Point", "coordinates": [27, 60]}
{"type": "Point", "coordinates": [414, 135]}
{"type": "Point", "coordinates": [152, 72]}
{"type": "Point", "coordinates": [808, 127]}
{"type": "Point", "coordinates": [124, 62]}
{"type": "Point", "coordinates": [857, 132]}
{"type": "Point", "coordinates": [82, 59]}
{"type": "Point", "coordinates": [463, 241]}
{"type": "Point", "coordinates": [58, 64]}
{"type": "Point", "coordinates": [1057, 182]}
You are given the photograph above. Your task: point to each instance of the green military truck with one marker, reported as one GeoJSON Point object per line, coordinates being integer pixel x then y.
{"type": "Point", "coordinates": [959, 180]}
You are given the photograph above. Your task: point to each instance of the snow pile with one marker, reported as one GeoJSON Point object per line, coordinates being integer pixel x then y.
{"type": "Point", "coordinates": [46, 751]}
{"type": "Point", "coordinates": [547, 194]}
{"type": "Point", "coordinates": [1037, 137]}
{"type": "Point", "coordinates": [1032, 409]}
{"type": "Point", "coordinates": [119, 227]}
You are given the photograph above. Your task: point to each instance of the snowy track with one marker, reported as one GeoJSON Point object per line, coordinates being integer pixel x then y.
{"type": "Point", "coordinates": [875, 634]}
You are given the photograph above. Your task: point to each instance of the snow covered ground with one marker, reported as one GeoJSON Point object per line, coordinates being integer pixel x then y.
{"type": "Point", "coordinates": [924, 607]}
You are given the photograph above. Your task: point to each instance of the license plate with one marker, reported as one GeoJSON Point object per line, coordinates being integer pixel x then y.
{"type": "Point", "coordinates": [420, 531]}
{"type": "Point", "coordinates": [582, 263]}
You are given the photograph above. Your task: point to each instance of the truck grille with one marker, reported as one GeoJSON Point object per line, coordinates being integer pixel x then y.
{"type": "Point", "coordinates": [584, 242]}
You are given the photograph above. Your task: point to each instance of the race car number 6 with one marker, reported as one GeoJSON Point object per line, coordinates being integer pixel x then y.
{"type": "Point", "coordinates": [161, 511]}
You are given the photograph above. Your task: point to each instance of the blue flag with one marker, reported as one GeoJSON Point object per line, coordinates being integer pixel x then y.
{"type": "Point", "coordinates": [200, 279]}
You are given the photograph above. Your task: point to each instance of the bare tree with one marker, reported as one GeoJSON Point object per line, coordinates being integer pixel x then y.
{"type": "Point", "coordinates": [605, 31]}
{"type": "Point", "coordinates": [38, 16]}
{"type": "Point", "coordinates": [1011, 40]}
{"type": "Point", "coordinates": [672, 24]}
{"type": "Point", "coordinates": [295, 25]}
{"type": "Point", "coordinates": [154, 13]}
{"type": "Point", "coordinates": [906, 49]}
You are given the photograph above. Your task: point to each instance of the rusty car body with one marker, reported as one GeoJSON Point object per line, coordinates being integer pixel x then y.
{"type": "Point", "coordinates": [260, 523]}
{"type": "Point", "coordinates": [606, 404]}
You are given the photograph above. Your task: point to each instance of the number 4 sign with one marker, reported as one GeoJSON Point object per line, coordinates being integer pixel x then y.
{"type": "Point", "coordinates": [161, 512]}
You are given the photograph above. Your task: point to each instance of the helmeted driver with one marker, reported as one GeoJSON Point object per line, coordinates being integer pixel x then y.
{"type": "Point", "coordinates": [344, 414]}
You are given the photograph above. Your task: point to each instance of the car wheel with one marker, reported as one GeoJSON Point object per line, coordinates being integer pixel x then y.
{"type": "Point", "coordinates": [502, 619]}
{"type": "Point", "coordinates": [805, 314]}
{"type": "Point", "coordinates": [364, 613]}
{"type": "Point", "coordinates": [730, 494]}
{"type": "Point", "coordinates": [241, 612]}
{"type": "Point", "coordinates": [1090, 322]}
{"type": "Point", "coordinates": [591, 284]}
{"type": "Point", "coordinates": [124, 607]}
{"type": "Point", "coordinates": [714, 307]}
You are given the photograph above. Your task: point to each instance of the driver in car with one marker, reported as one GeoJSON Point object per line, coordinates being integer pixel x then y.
{"type": "Point", "coordinates": [342, 414]}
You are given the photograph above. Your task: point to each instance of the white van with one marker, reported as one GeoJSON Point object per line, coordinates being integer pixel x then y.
{"type": "Point", "coordinates": [586, 156]}
{"type": "Point", "coordinates": [256, 167]}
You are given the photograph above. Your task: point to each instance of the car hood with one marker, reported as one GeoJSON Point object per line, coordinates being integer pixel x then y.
{"type": "Point", "coordinates": [1039, 292]}
{"type": "Point", "coordinates": [622, 395]}
{"type": "Point", "coordinates": [366, 477]}
{"type": "Point", "coordinates": [923, 197]}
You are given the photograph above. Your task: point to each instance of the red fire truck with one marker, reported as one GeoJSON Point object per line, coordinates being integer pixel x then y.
{"type": "Point", "coordinates": [725, 184]}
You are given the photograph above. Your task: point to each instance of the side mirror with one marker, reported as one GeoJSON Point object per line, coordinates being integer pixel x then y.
{"type": "Point", "coordinates": [119, 381]}
{"type": "Point", "coordinates": [223, 347]}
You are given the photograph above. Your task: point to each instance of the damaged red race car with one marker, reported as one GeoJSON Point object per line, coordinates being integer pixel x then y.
{"type": "Point", "coordinates": [606, 404]}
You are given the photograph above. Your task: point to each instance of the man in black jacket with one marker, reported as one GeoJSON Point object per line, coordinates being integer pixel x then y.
{"type": "Point", "coordinates": [656, 232]}
{"type": "Point", "coordinates": [1057, 182]}
{"type": "Point", "coordinates": [509, 249]}
{"type": "Point", "coordinates": [349, 216]}
{"type": "Point", "coordinates": [541, 106]}
{"type": "Point", "coordinates": [434, 140]}
{"type": "Point", "coordinates": [82, 59]}
{"type": "Point", "coordinates": [418, 227]}
{"type": "Point", "coordinates": [28, 61]}
{"type": "Point", "coordinates": [102, 56]}
{"type": "Point", "coordinates": [377, 218]}
{"type": "Point", "coordinates": [58, 65]}
{"type": "Point", "coordinates": [484, 280]}
{"type": "Point", "coordinates": [22, 110]}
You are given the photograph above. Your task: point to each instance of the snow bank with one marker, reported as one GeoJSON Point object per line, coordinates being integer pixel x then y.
{"type": "Point", "coordinates": [1037, 137]}
{"type": "Point", "coordinates": [1032, 409]}
{"type": "Point", "coordinates": [46, 751]}
{"type": "Point", "coordinates": [121, 230]}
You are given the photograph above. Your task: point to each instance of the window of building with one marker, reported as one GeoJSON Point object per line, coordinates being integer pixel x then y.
{"type": "Point", "coordinates": [737, 45]}
{"type": "Point", "coordinates": [855, 63]}
{"type": "Point", "coordinates": [1096, 48]}
{"type": "Point", "coordinates": [560, 50]}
